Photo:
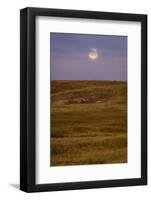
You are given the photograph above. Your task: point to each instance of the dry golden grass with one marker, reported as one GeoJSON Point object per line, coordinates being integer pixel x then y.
{"type": "Point", "coordinates": [88, 122]}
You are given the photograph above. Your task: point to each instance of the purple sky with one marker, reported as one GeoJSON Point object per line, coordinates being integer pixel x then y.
{"type": "Point", "coordinates": [70, 58]}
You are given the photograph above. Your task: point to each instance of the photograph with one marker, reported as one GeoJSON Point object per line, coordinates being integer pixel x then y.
{"type": "Point", "coordinates": [83, 99]}
{"type": "Point", "coordinates": [88, 97]}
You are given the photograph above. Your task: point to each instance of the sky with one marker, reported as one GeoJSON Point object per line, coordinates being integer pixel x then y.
{"type": "Point", "coordinates": [88, 57]}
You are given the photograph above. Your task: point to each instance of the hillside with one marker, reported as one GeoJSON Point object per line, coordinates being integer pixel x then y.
{"type": "Point", "coordinates": [88, 122]}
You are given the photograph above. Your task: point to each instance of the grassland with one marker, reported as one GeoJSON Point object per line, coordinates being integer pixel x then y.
{"type": "Point", "coordinates": [88, 122]}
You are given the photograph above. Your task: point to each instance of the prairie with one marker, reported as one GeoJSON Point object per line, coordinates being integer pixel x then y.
{"type": "Point", "coordinates": [88, 122]}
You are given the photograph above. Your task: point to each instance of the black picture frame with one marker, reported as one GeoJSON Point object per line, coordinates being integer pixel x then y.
{"type": "Point", "coordinates": [28, 98]}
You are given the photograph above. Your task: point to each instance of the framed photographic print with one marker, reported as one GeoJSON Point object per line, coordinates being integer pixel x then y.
{"type": "Point", "coordinates": [83, 99]}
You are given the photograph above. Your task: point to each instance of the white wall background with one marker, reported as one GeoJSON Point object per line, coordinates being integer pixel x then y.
{"type": "Point", "coordinates": [9, 98]}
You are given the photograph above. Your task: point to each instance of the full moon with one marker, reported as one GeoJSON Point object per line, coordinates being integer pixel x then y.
{"type": "Point", "coordinates": [93, 54]}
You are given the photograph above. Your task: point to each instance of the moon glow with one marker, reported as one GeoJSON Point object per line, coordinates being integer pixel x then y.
{"type": "Point", "coordinates": [93, 54]}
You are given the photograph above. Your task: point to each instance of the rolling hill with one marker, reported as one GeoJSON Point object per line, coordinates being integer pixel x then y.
{"type": "Point", "coordinates": [88, 122]}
